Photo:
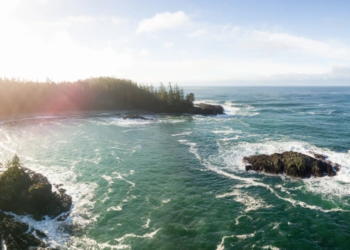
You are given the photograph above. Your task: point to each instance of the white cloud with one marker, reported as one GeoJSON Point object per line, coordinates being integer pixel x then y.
{"type": "Point", "coordinates": [197, 33]}
{"type": "Point", "coordinates": [162, 21]}
{"type": "Point", "coordinates": [143, 52]}
{"type": "Point", "coordinates": [168, 45]}
{"type": "Point", "coordinates": [118, 21]}
{"type": "Point", "coordinates": [273, 43]}
{"type": "Point", "coordinates": [7, 6]}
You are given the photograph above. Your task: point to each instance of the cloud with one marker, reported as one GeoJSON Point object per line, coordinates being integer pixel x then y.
{"type": "Point", "coordinates": [197, 33]}
{"type": "Point", "coordinates": [274, 43]}
{"type": "Point", "coordinates": [143, 52]}
{"type": "Point", "coordinates": [118, 21]}
{"type": "Point", "coordinates": [162, 21]}
{"type": "Point", "coordinates": [168, 45]}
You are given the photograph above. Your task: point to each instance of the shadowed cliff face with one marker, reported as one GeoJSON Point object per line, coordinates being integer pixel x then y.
{"type": "Point", "coordinates": [23, 191]}
{"type": "Point", "coordinates": [291, 163]}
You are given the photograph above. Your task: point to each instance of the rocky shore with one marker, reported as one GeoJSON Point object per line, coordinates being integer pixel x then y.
{"type": "Point", "coordinates": [23, 191]}
{"type": "Point", "coordinates": [207, 109]}
{"type": "Point", "coordinates": [292, 164]}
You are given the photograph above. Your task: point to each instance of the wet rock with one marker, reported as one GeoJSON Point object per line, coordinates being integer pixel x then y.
{"type": "Point", "coordinates": [291, 163]}
{"type": "Point", "coordinates": [15, 234]}
{"type": "Point", "coordinates": [207, 109]}
{"type": "Point", "coordinates": [40, 233]}
{"type": "Point", "coordinates": [319, 156]}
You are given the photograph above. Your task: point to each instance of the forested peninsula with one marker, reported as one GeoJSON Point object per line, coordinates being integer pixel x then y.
{"type": "Point", "coordinates": [93, 94]}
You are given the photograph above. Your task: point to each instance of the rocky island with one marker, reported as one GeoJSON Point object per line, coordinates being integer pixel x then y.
{"type": "Point", "coordinates": [23, 191]}
{"type": "Point", "coordinates": [207, 109]}
{"type": "Point", "coordinates": [292, 164]}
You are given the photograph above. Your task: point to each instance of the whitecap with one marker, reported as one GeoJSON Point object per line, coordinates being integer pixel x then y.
{"type": "Point", "coordinates": [181, 134]}
{"type": "Point", "coordinates": [115, 208]}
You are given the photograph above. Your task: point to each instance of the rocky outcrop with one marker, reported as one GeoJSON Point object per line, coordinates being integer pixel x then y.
{"type": "Point", "coordinates": [23, 191]}
{"type": "Point", "coordinates": [135, 117]}
{"type": "Point", "coordinates": [207, 109]}
{"type": "Point", "coordinates": [16, 234]}
{"type": "Point", "coordinates": [291, 163]}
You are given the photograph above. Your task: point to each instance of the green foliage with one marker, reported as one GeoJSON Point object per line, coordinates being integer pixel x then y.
{"type": "Point", "coordinates": [23, 97]}
{"type": "Point", "coordinates": [13, 180]}
{"type": "Point", "coordinates": [190, 98]}
{"type": "Point", "coordinates": [15, 162]}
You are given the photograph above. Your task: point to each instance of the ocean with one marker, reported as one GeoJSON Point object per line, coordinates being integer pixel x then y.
{"type": "Point", "coordinates": [178, 181]}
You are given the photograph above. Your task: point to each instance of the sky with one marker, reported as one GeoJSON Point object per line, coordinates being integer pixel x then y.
{"type": "Point", "coordinates": [192, 42]}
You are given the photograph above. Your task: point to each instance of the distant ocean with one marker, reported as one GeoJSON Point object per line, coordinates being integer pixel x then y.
{"type": "Point", "coordinates": [178, 181]}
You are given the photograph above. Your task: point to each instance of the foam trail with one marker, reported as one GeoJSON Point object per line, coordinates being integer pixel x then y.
{"type": "Point", "coordinates": [270, 247]}
{"type": "Point", "coordinates": [148, 235]}
{"type": "Point", "coordinates": [147, 224]}
{"type": "Point", "coordinates": [242, 236]}
{"type": "Point", "coordinates": [116, 208]}
{"type": "Point", "coordinates": [184, 133]}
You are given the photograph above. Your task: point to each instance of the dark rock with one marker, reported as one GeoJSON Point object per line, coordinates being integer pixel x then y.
{"type": "Point", "coordinates": [207, 109]}
{"type": "Point", "coordinates": [15, 234]}
{"type": "Point", "coordinates": [248, 167]}
{"type": "Point", "coordinates": [63, 217]}
{"type": "Point", "coordinates": [22, 191]}
{"type": "Point", "coordinates": [291, 163]}
{"type": "Point", "coordinates": [40, 233]}
{"type": "Point", "coordinates": [135, 117]}
{"type": "Point", "coordinates": [319, 156]}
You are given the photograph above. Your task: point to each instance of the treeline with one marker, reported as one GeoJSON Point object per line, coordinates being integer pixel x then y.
{"type": "Point", "coordinates": [102, 93]}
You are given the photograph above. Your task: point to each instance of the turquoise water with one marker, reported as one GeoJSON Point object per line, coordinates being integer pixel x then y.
{"type": "Point", "coordinates": [178, 181]}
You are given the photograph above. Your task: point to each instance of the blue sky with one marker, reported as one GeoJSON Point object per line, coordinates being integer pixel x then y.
{"type": "Point", "coordinates": [247, 42]}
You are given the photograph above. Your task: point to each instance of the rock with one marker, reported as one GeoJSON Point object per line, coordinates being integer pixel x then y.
{"type": "Point", "coordinates": [41, 234]}
{"type": "Point", "coordinates": [15, 234]}
{"type": "Point", "coordinates": [22, 191]}
{"type": "Point", "coordinates": [135, 117]}
{"type": "Point", "coordinates": [40, 193]}
{"type": "Point", "coordinates": [291, 163]}
{"type": "Point", "coordinates": [319, 156]}
{"type": "Point", "coordinates": [207, 109]}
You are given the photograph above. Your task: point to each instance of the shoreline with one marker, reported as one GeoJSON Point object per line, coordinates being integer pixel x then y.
{"type": "Point", "coordinates": [18, 117]}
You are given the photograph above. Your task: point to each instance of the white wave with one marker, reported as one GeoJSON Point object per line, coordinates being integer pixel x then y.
{"type": "Point", "coordinates": [147, 224]}
{"type": "Point", "coordinates": [84, 242]}
{"type": "Point", "coordinates": [242, 236]}
{"type": "Point", "coordinates": [120, 122]}
{"type": "Point", "coordinates": [270, 247]}
{"type": "Point", "coordinates": [227, 132]}
{"type": "Point", "coordinates": [331, 112]}
{"type": "Point", "coordinates": [116, 208]}
{"type": "Point", "coordinates": [166, 201]}
{"type": "Point", "coordinates": [237, 219]}
{"type": "Point", "coordinates": [181, 134]}
{"type": "Point", "coordinates": [232, 108]}
{"type": "Point", "coordinates": [119, 176]}
{"type": "Point", "coordinates": [148, 235]}
{"type": "Point", "coordinates": [230, 139]}
{"type": "Point", "coordinates": [251, 203]}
